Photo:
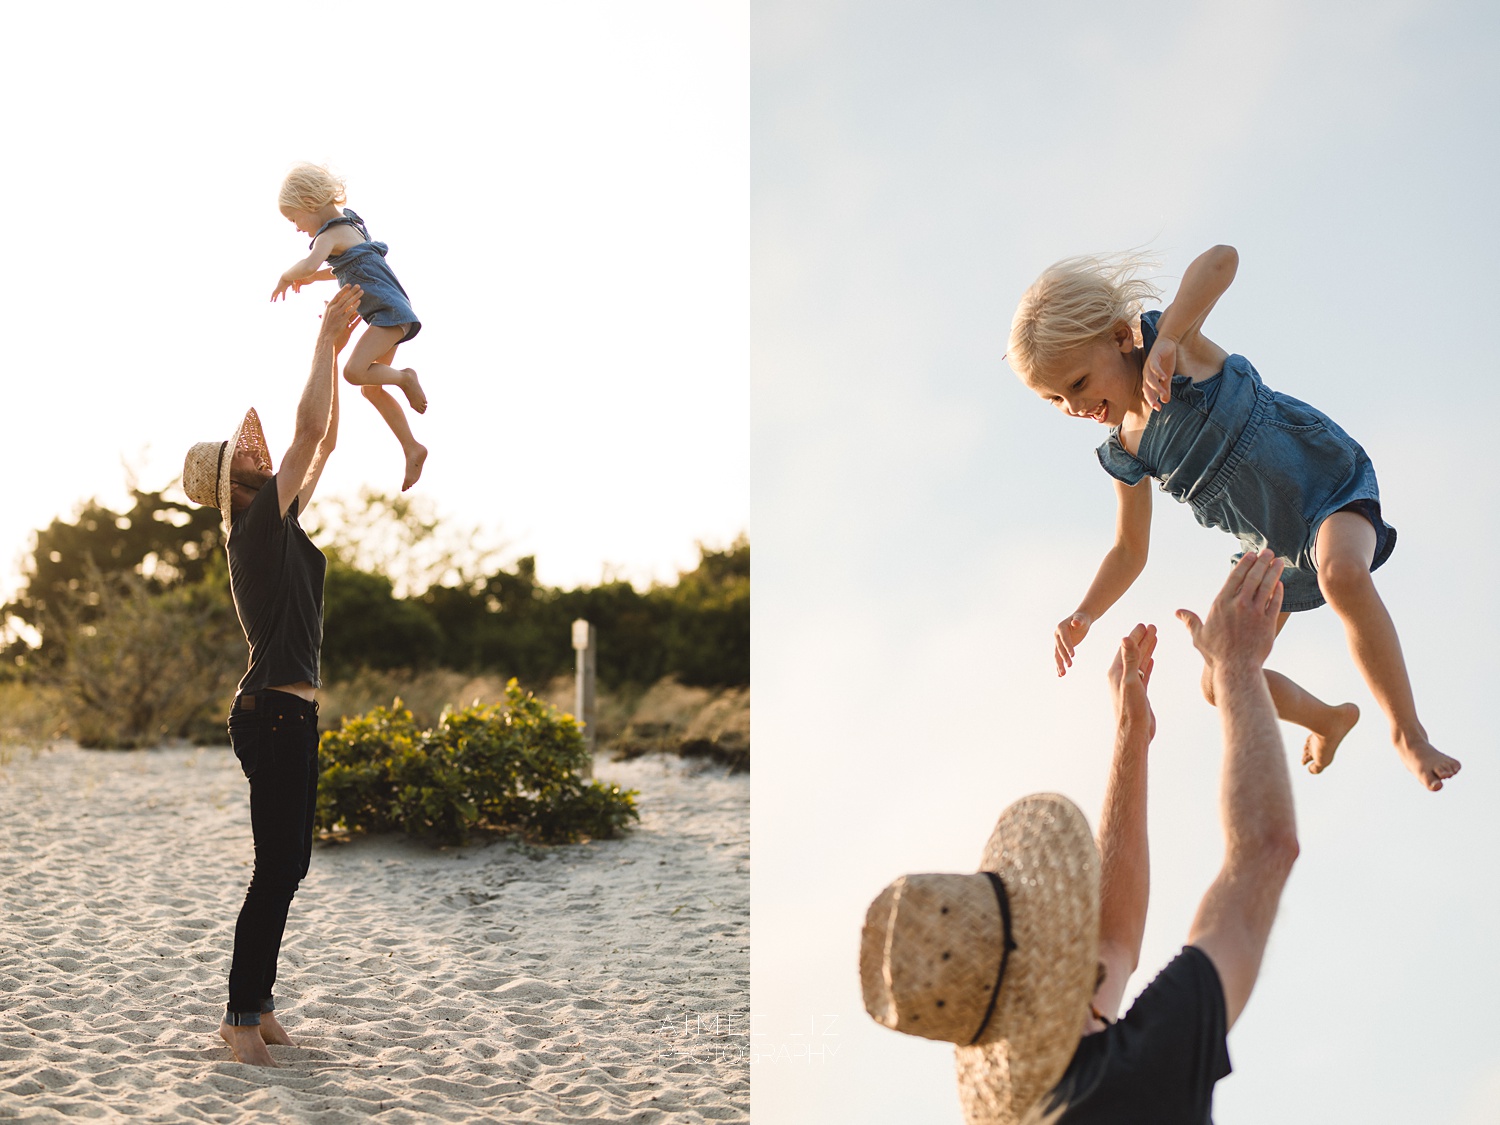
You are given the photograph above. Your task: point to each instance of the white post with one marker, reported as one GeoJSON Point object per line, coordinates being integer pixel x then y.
{"type": "Point", "coordinates": [586, 644]}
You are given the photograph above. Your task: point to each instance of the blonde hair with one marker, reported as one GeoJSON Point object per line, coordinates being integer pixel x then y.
{"type": "Point", "coordinates": [1077, 301]}
{"type": "Point", "coordinates": [310, 187]}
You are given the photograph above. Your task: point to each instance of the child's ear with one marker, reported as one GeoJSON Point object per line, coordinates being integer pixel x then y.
{"type": "Point", "coordinates": [1124, 336]}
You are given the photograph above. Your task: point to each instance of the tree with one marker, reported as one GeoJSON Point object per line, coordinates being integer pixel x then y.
{"type": "Point", "coordinates": [134, 666]}
{"type": "Point", "coordinates": [706, 640]}
{"type": "Point", "coordinates": [366, 626]}
{"type": "Point", "coordinates": [161, 541]}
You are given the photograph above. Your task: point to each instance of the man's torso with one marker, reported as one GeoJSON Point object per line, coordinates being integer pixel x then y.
{"type": "Point", "coordinates": [276, 578]}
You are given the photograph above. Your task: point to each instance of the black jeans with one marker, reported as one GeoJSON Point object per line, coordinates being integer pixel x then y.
{"type": "Point", "coordinates": [275, 737]}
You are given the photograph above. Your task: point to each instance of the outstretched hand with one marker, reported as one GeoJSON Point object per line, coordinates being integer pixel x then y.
{"type": "Point", "coordinates": [1067, 637]}
{"type": "Point", "coordinates": [1130, 676]}
{"type": "Point", "coordinates": [341, 314]}
{"type": "Point", "coordinates": [293, 283]}
{"type": "Point", "coordinates": [1156, 376]}
{"type": "Point", "coordinates": [1241, 624]}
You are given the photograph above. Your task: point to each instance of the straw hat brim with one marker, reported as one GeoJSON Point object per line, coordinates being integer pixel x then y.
{"type": "Point", "coordinates": [204, 465]}
{"type": "Point", "coordinates": [1043, 851]}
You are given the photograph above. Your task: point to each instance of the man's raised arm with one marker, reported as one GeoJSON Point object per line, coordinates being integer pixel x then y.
{"type": "Point", "coordinates": [1260, 827]}
{"type": "Point", "coordinates": [315, 413]}
{"type": "Point", "coordinates": [1125, 864]}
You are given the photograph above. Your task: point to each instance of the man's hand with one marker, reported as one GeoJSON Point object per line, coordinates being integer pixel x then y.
{"type": "Point", "coordinates": [1156, 377]}
{"type": "Point", "coordinates": [1130, 676]}
{"type": "Point", "coordinates": [341, 315]}
{"type": "Point", "coordinates": [1241, 623]}
{"type": "Point", "coordinates": [1068, 636]}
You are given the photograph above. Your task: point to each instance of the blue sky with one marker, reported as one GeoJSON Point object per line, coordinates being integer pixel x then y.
{"type": "Point", "coordinates": [922, 520]}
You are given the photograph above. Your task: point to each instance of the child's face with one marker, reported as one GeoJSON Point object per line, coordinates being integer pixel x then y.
{"type": "Point", "coordinates": [302, 220]}
{"type": "Point", "coordinates": [1099, 381]}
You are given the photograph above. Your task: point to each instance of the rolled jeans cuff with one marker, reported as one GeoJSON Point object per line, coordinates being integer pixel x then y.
{"type": "Point", "coordinates": [241, 1019]}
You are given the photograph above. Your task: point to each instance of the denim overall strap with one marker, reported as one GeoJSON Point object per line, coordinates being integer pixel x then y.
{"type": "Point", "coordinates": [348, 218]}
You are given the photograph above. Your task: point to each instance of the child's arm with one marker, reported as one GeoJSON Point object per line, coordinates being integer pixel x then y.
{"type": "Point", "coordinates": [1120, 568]}
{"type": "Point", "coordinates": [1202, 285]}
{"type": "Point", "coordinates": [307, 269]}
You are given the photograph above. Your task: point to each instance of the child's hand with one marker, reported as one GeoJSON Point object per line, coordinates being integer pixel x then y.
{"type": "Point", "coordinates": [283, 285]}
{"type": "Point", "coordinates": [1066, 637]}
{"type": "Point", "coordinates": [1156, 378]}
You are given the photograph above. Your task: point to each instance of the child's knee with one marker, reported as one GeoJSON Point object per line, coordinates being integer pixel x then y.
{"type": "Point", "coordinates": [370, 390]}
{"type": "Point", "coordinates": [1343, 578]}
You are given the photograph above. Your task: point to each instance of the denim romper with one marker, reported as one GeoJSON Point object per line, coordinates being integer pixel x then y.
{"type": "Point", "coordinates": [384, 302]}
{"type": "Point", "coordinates": [1262, 465]}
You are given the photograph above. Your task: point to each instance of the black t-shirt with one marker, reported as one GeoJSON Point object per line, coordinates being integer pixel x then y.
{"type": "Point", "coordinates": [276, 577]}
{"type": "Point", "coordinates": [1158, 1065]}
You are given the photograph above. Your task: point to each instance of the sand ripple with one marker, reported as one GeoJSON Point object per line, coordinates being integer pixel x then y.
{"type": "Point", "coordinates": [606, 982]}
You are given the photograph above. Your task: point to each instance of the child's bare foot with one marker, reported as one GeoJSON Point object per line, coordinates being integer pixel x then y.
{"type": "Point", "coordinates": [247, 1045]}
{"type": "Point", "coordinates": [413, 390]}
{"type": "Point", "coordinates": [271, 1031]}
{"type": "Point", "coordinates": [1321, 745]}
{"type": "Point", "coordinates": [1431, 766]}
{"type": "Point", "coordinates": [416, 456]}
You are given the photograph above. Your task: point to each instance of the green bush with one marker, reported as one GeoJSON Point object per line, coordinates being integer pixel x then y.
{"type": "Point", "coordinates": [511, 767]}
{"type": "Point", "coordinates": [136, 667]}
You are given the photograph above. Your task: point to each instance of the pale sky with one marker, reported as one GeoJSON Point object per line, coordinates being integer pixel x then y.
{"type": "Point", "coordinates": [564, 189]}
{"type": "Point", "coordinates": [923, 520]}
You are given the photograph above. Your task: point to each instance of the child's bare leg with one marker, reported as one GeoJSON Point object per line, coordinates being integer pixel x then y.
{"type": "Point", "coordinates": [1345, 549]}
{"type": "Point", "coordinates": [414, 451]}
{"type": "Point", "coordinates": [369, 364]}
{"type": "Point", "coordinates": [1327, 723]}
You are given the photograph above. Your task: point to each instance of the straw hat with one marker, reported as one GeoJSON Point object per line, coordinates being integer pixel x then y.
{"type": "Point", "coordinates": [1002, 962]}
{"type": "Point", "coordinates": [205, 472]}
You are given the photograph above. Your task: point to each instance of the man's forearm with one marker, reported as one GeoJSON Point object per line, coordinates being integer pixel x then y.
{"type": "Point", "coordinates": [1125, 862]}
{"type": "Point", "coordinates": [331, 434]}
{"type": "Point", "coordinates": [1257, 787]}
{"type": "Point", "coordinates": [315, 411]}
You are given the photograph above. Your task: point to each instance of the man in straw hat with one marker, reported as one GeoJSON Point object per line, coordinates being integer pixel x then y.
{"type": "Point", "coordinates": [1024, 964]}
{"type": "Point", "coordinates": [276, 577]}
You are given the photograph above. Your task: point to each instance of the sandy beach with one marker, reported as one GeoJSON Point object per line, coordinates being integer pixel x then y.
{"type": "Point", "coordinates": [598, 982]}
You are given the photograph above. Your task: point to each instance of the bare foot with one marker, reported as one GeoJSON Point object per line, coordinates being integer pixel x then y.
{"type": "Point", "coordinates": [1321, 745]}
{"type": "Point", "coordinates": [1431, 766]}
{"type": "Point", "coordinates": [271, 1031]}
{"type": "Point", "coordinates": [413, 390]}
{"type": "Point", "coordinates": [247, 1045]}
{"type": "Point", "coordinates": [416, 457]}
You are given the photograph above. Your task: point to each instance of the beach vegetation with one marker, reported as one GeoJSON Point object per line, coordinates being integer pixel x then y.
{"type": "Point", "coordinates": [512, 767]}
{"type": "Point", "coordinates": [133, 665]}
{"type": "Point", "coordinates": [123, 632]}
